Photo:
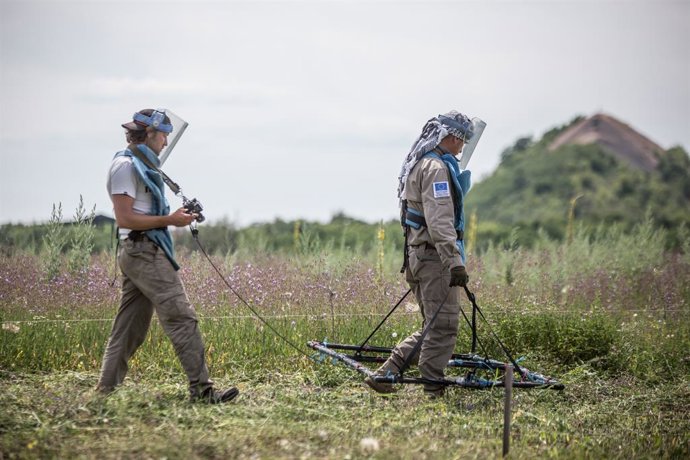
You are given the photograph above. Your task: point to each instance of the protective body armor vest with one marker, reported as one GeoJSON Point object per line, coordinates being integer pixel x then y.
{"type": "Point", "coordinates": [461, 185]}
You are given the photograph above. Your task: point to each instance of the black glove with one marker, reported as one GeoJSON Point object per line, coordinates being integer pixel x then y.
{"type": "Point", "coordinates": [458, 276]}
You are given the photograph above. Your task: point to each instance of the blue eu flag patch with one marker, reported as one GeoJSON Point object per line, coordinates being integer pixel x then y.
{"type": "Point", "coordinates": [441, 189]}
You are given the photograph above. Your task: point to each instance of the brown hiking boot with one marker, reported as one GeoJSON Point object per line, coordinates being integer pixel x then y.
{"type": "Point", "coordinates": [389, 368]}
{"type": "Point", "coordinates": [380, 387]}
{"type": "Point", "coordinates": [213, 396]}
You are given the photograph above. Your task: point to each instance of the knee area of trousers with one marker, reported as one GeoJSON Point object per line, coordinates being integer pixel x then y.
{"type": "Point", "coordinates": [176, 310]}
{"type": "Point", "coordinates": [174, 294]}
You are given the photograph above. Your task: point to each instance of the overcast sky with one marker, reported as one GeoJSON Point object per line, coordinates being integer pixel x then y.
{"type": "Point", "coordinates": [304, 109]}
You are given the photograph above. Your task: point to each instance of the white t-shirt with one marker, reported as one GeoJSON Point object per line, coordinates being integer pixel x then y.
{"type": "Point", "coordinates": [124, 180]}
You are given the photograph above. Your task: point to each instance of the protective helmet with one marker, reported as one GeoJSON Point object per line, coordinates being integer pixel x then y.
{"type": "Point", "coordinates": [157, 119]}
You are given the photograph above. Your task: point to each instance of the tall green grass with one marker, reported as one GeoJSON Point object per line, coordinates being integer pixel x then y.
{"type": "Point", "coordinates": [602, 249]}
{"type": "Point", "coordinates": [610, 298]}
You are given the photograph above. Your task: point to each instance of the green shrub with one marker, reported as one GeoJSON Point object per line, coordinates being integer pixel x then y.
{"type": "Point", "coordinates": [569, 338]}
{"type": "Point", "coordinates": [54, 241]}
{"type": "Point", "coordinates": [82, 236]}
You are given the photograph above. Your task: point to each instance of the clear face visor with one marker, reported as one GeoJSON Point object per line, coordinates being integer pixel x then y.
{"type": "Point", "coordinates": [178, 127]}
{"type": "Point", "coordinates": [477, 130]}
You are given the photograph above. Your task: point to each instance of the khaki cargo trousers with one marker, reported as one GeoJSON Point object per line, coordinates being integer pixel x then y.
{"type": "Point", "coordinates": [429, 281]}
{"type": "Point", "coordinates": [151, 283]}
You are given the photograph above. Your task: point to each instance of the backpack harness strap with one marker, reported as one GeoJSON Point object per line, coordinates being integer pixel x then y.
{"type": "Point", "coordinates": [414, 218]}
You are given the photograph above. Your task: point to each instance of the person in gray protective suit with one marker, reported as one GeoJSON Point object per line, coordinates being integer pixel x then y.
{"type": "Point", "coordinates": [149, 271]}
{"type": "Point", "coordinates": [431, 189]}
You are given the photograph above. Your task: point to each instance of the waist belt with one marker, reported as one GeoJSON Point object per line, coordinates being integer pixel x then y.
{"type": "Point", "coordinates": [424, 245]}
{"type": "Point", "coordinates": [460, 237]}
{"type": "Point", "coordinates": [140, 235]}
{"type": "Point", "coordinates": [137, 235]}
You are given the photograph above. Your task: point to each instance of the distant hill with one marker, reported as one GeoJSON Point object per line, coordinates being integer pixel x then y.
{"type": "Point", "coordinates": [615, 137]}
{"type": "Point", "coordinates": [614, 174]}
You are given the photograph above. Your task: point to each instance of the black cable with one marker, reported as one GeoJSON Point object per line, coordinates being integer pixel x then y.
{"type": "Point", "coordinates": [195, 235]}
{"type": "Point", "coordinates": [117, 247]}
{"type": "Point", "coordinates": [470, 296]}
{"type": "Point", "coordinates": [383, 321]}
{"type": "Point", "coordinates": [473, 333]}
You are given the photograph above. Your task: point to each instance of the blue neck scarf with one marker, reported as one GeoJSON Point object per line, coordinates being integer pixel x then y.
{"type": "Point", "coordinates": [153, 180]}
{"type": "Point", "coordinates": [461, 185]}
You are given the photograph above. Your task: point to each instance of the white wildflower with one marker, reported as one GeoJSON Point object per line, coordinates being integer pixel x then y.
{"type": "Point", "coordinates": [369, 445]}
{"type": "Point", "coordinates": [10, 327]}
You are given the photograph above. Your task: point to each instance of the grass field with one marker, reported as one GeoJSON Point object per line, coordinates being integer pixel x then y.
{"type": "Point", "coordinates": [612, 325]}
